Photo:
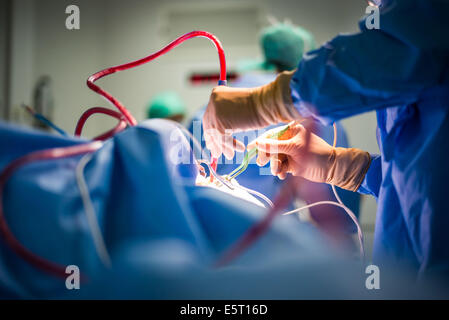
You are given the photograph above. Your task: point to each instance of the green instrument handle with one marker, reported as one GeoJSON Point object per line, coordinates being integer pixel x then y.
{"type": "Point", "coordinates": [252, 153]}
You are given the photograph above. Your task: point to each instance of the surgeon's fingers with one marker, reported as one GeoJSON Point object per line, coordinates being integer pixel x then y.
{"type": "Point", "coordinates": [266, 134]}
{"type": "Point", "coordinates": [239, 146]}
{"type": "Point", "coordinates": [262, 158]}
{"type": "Point", "coordinates": [284, 169]}
{"type": "Point", "coordinates": [273, 146]}
{"type": "Point", "coordinates": [283, 172]}
{"type": "Point", "coordinates": [275, 164]}
{"type": "Point", "coordinates": [230, 145]}
{"type": "Point", "coordinates": [253, 144]}
{"type": "Point", "coordinates": [233, 143]}
{"type": "Point", "coordinates": [213, 145]}
{"type": "Point", "coordinates": [228, 149]}
{"type": "Point", "coordinates": [279, 166]}
{"type": "Point", "coordinates": [282, 144]}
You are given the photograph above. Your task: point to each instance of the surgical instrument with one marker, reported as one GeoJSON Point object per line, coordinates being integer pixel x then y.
{"type": "Point", "coordinates": [252, 153]}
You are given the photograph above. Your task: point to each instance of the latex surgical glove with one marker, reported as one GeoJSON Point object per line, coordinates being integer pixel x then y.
{"type": "Point", "coordinates": [241, 109]}
{"type": "Point", "coordinates": [305, 154]}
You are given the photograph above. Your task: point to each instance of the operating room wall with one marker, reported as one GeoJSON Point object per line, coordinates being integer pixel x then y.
{"type": "Point", "coordinates": [115, 31]}
{"type": "Point", "coordinates": [4, 51]}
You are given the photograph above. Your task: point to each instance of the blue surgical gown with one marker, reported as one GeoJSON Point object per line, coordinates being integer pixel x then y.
{"type": "Point", "coordinates": [401, 71]}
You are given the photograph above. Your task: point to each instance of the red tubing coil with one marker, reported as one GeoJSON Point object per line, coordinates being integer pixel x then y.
{"type": "Point", "coordinates": [129, 118]}
{"type": "Point", "coordinates": [119, 127]}
{"type": "Point", "coordinates": [124, 118]}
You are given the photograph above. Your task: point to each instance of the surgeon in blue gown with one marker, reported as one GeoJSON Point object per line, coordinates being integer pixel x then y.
{"type": "Point", "coordinates": [283, 45]}
{"type": "Point", "coordinates": [400, 71]}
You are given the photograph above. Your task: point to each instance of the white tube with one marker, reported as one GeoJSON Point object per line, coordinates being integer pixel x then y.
{"type": "Point", "coordinates": [99, 242]}
{"type": "Point", "coordinates": [257, 194]}
{"type": "Point", "coordinates": [338, 204]}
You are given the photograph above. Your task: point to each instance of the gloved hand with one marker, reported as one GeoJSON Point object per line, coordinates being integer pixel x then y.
{"type": "Point", "coordinates": [241, 109]}
{"type": "Point", "coordinates": [305, 154]}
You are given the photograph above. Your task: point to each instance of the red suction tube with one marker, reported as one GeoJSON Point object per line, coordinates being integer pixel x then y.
{"type": "Point", "coordinates": [130, 119]}
{"type": "Point", "coordinates": [124, 118]}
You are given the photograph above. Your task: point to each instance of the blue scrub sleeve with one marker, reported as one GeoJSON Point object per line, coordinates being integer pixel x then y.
{"type": "Point", "coordinates": [373, 178]}
{"type": "Point", "coordinates": [369, 70]}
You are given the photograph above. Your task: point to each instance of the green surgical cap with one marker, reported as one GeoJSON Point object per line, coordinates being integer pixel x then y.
{"type": "Point", "coordinates": [165, 105]}
{"type": "Point", "coordinates": [284, 44]}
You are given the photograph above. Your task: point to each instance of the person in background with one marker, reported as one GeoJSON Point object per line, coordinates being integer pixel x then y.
{"type": "Point", "coordinates": [283, 45]}
{"type": "Point", "coordinates": [167, 105]}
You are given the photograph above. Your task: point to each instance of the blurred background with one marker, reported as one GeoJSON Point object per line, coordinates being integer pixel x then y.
{"type": "Point", "coordinates": [41, 60]}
